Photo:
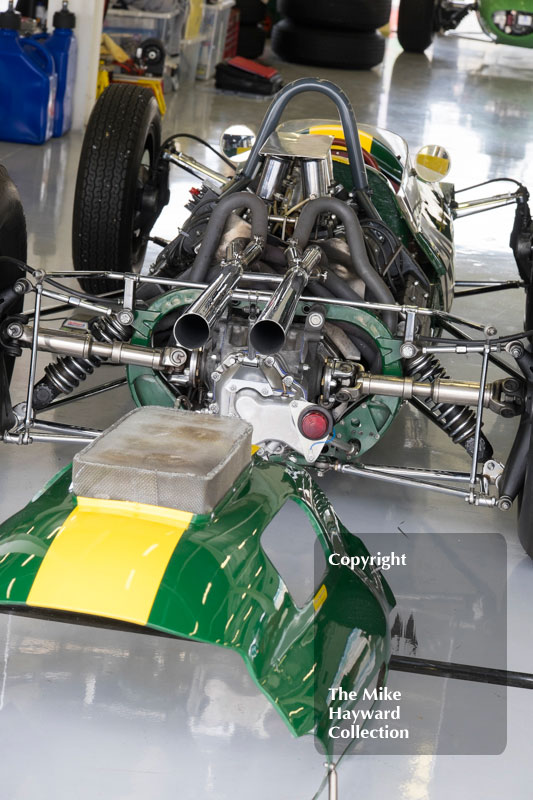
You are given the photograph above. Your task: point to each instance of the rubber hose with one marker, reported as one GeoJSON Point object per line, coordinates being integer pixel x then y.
{"type": "Point", "coordinates": [215, 228]}
{"type": "Point", "coordinates": [377, 288]}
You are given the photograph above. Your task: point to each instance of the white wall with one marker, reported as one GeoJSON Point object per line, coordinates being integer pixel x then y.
{"type": "Point", "coordinates": [89, 19]}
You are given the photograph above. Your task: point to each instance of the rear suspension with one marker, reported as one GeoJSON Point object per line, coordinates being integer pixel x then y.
{"type": "Point", "coordinates": [459, 422]}
{"type": "Point", "coordinates": [65, 374]}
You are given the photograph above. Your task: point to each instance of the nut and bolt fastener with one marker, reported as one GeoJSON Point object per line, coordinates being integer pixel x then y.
{"type": "Point", "coordinates": [315, 320]}
{"type": "Point", "coordinates": [407, 350]}
{"type": "Point", "coordinates": [265, 391]}
{"type": "Point", "coordinates": [15, 330]}
{"type": "Point", "coordinates": [490, 330]}
{"type": "Point", "coordinates": [232, 387]}
{"type": "Point", "coordinates": [516, 350]}
{"type": "Point", "coordinates": [269, 361]}
{"type": "Point", "coordinates": [125, 317]}
{"type": "Point", "coordinates": [505, 504]}
{"type": "Point", "coordinates": [287, 380]}
{"type": "Point", "coordinates": [215, 376]}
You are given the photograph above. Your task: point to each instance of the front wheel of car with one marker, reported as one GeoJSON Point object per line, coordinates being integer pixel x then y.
{"type": "Point", "coordinates": [112, 215]}
{"type": "Point", "coordinates": [416, 24]}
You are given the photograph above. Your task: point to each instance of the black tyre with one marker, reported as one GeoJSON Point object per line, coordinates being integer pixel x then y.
{"type": "Point", "coordinates": [416, 24]}
{"type": "Point", "coordinates": [354, 15]}
{"type": "Point", "coordinates": [120, 149]}
{"type": "Point", "coordinates": [251, 41]}
{"type": "Point", "coordinates": [13, 243]}
{"type": "Point", "coordinates": [251, 11]}
{"type": "Point", "coordinates": [153, 55]}
{"type": "Point", "coordinates": [325, 48]}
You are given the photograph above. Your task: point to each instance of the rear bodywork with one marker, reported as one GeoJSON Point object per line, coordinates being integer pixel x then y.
{"type": "Point", "coordinates": [207, 578]}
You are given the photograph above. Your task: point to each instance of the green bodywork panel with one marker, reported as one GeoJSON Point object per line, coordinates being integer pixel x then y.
{"type": "Point", "coordinates": [220, 587]}
{"type": "Point", "coordinates": [367, 422]}
{"type": "Point", "coordinates": [432, 260]}
{"type": "Point", "coordinates": [486, 9]}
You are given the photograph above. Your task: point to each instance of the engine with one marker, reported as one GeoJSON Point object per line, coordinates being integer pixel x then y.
{"type": "Point", "coordinates": [285, 314]}
{"type": "Point", "coordinates": [282, 365]}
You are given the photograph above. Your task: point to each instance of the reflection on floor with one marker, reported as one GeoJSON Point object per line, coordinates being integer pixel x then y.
{"type": "Point", "coordinates": [94, 713]}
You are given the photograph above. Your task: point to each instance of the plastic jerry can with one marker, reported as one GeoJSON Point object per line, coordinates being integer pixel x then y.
{"type": "Point", "coordinates": [63, 46]}
{"type": "Point", "coordinates": [27, 85]}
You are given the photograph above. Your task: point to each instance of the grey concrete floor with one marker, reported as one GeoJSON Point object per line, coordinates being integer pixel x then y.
{"type": "Point", "coordinates": [99, 714]}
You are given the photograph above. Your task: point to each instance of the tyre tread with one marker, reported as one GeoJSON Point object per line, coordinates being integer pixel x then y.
{"type": "Point", "coordinates": [102, 201]}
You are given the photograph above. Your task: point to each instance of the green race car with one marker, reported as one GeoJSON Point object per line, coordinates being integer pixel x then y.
{"type": "Point", "coordinates": [309, 293]}
{"type": "Point", "coordinates": [420, 20]}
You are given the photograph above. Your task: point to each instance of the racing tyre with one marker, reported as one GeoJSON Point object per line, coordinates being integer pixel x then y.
{"type": "Point", "coordinates": [416, 24]}
{"type": "Point", "coordinates": [13, 243]}
{"type": "Point", "coordinates": [326, 48]}
{"type": "Point", "coordinates": [112, 213]}
{"type": "Point", "coordinates": [251, 11]}
{"type": "Point", "coordinates": [355, 15]}
{"type": "Point", "coordinates": [251, 42]}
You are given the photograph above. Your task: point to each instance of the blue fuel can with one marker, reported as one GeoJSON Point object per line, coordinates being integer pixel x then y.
{"type": "Point", "coordinates": [28, 84]}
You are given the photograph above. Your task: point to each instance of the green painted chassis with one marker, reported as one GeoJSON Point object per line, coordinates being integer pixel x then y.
{"type": "Point", "coordinates": [294, 654]}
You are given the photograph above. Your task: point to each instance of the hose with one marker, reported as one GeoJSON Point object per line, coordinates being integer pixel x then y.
{"type": "Point", "coordinates": [362, 268]}
{"type": "Point", "coordinates": [215, 228]}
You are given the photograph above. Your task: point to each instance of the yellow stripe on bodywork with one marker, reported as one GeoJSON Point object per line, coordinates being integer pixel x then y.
{"type": "Point", "coordinates": [320, 598]}
{"type": "Point", "coordinates": [108, 559]}
{"type": "Point", "coordinates": [336, 130]}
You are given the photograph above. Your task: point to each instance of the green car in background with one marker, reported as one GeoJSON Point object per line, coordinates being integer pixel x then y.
{"type": "Point", "coordinates": [420, 20]}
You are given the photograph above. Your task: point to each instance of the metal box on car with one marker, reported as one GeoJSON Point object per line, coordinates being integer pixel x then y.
{"type": "Point", "coordinates": [164, 457]}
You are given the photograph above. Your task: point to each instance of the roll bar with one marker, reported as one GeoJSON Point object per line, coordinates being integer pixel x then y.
{"type": "Point", "coordinates": [347, 118]}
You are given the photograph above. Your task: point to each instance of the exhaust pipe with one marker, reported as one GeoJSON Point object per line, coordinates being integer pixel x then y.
{"type": "Point", "coordinates": [269, 333]}
{"type": "Point", "coordinates": [193, 329]}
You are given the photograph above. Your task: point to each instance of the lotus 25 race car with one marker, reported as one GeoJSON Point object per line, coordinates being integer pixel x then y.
{"type": "Point", "coordinates": [309, 294]}
{"type": "Point", "coordinates": [304, 300]}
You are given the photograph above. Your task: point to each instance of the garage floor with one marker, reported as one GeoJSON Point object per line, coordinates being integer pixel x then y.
{"type": "Point", "coordinates": [92, 713]}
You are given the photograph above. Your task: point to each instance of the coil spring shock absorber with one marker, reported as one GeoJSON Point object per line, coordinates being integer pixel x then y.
{"type": "Point", "coordinates": [459, 422]}
{"type": "Point", "coordinates": [66, 374]}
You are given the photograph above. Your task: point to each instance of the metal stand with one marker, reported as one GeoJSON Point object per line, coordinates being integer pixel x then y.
{"type": "Point", "coordinates": [333, 787]}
